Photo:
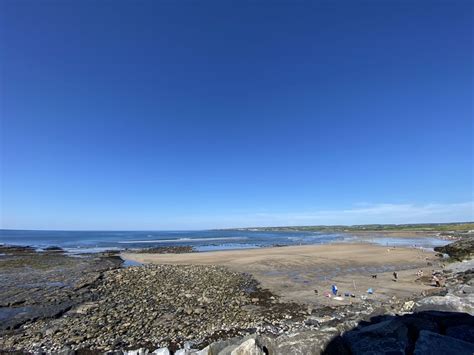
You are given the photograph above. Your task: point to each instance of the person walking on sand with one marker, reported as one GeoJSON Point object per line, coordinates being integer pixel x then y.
{"type": "Point", "coordinates": [395, 275]}
{"type": "Point", "coordinates": [334, 290]}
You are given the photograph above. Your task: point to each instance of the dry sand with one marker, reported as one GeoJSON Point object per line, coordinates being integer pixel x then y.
{"type": "Point", "coordinates": [294, 272]}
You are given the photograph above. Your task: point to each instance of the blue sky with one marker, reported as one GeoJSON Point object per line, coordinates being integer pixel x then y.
{"type": "Point", "coordinates": [202, 114]}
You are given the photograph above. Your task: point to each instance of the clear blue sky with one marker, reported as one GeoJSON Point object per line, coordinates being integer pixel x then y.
{"type": "Point", "coordinates": [201, 114]}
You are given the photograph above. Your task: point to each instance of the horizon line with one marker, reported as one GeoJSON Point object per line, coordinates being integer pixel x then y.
{"type": "Point", "coordinates": [234, 228]}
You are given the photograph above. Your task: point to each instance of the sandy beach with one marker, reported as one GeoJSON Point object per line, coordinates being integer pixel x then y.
{"type": "Point", "coordinates": [295, 272]}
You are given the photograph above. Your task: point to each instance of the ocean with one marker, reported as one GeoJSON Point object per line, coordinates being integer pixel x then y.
{"type": "Point", "coordinates": [76, 242]}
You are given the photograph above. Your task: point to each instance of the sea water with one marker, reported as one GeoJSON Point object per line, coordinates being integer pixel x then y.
{"type": "Point", "coordinates": [77, 242]}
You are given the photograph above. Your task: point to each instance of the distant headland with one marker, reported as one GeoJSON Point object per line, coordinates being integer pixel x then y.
{"type": "Point", "coordinates": [417, 227]}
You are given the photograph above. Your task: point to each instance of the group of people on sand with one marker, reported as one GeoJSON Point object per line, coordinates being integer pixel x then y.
{"type": "Point", "coordinates": [435, 280]}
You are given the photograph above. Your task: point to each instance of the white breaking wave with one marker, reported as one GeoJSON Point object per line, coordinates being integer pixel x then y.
{"type": "Point", "coordinates": [180, 240]}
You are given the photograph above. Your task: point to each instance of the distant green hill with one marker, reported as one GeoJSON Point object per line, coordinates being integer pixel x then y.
{"type": "Point", "coordinates": [435, 227]}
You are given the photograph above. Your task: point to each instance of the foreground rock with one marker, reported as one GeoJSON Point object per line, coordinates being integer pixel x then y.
{"type": "Point", "coordinates": [408, 333]}
{"type": "Point", "coordinates": [248, 347]}
{"type": "Point", "coordinates": [160, 306]}
{"type": "Point", "coordinates": [418, 333]}
{"type": "Point", "coordinates": [448, 303]}
{"type": "Point", "coordinates": [432, 343]}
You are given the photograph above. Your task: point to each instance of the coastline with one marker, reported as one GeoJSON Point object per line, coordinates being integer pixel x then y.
{"type": "Point", "coordinates": [203, 241]}
{"type": "Point", "coordinates": [211, 300]}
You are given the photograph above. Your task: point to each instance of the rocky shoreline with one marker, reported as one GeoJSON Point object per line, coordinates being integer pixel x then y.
{"type": "Point", "coordinates": [462, 248]}
{"type": "Point", "coordinates": [54, 303]}
{"type": "Point", "coordinates": [36, 285]}
{"type": "Point", "coordinates": [175, 249]}
{"type": "Point", "coordinates": [160, 305]}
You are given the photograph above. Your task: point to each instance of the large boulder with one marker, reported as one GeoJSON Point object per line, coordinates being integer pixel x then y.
{"type": "Point", "coordinates": [369, 346]}
{"type": "Point", "coordinates": [144, 351]}
{"type": "Point", "coordinates": [390, 336]}
{"type": "Point", "coordinates": [161, 351]}
{"type": "Point", "coordinates": [416, 324]}
{"type": "Point", "coordinates": [225, 347]}
{"type": "Point", "coordinates": [464, 332]}
{"type": "Point", "coordinates": [430, 343]}
{"type": "Point", "coordinates": [302, 343]}
{"type": "Point", "coordinates": [141, 351]}
{"type": "Point", "coordinates": [448, 303]}
{"type": "Point", "coordinates": [205, 351]}
{"type": "Point", "coordinates": [461, 249]}
{"type": "Point", "coordinates": [248, 347]}
{"type": "Point", "coordinates": [295, 343]}
{"type": "Point", "coordinates": [447, 320]}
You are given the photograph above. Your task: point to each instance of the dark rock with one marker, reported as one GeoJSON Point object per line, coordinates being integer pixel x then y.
{"type": "Point", "coordinates": [416, 324]}
{"type": "Point", "coordinates": [14, 317]}
{"type": "Point", "coordinates": [447, 319]}
{"type": "Point", "coordinates": [66, 351]}
{"type": "Point", "coordinates": [463, 332]}
{"type": "Point", "coordinates": [87, 280]}
{"type": "Point", "coordinates": [368, 345]}
{"type": "Point", "coordinates": [459, 250]}
{"type": "Point", "coordinates": [312, 322]}
{"type": "Point", "coordinates": [432, 343]}
{"type": "Point", "coordinates": [16, 249]}
{"type": "Point", "coordinates": [178, 249]}
{"type": "Point", "coordinates": [387, 336]}
{"type": "Point", "coordinates": [388, 328]}
{"type": "Point", "coordinates": [54, 249]}
{"type": "Point", "coordinates": [109, 253]}
{"type": "Point", "coordinates": [337, 346]}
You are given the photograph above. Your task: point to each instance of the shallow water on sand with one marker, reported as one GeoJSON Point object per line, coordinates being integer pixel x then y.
{"type": "Point", "coordinates": [326, 273]}
{"type": "Point", "coordinates": [79, 242]}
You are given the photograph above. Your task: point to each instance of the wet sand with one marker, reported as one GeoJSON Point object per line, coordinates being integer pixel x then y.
{"type": "Point", "coordinates": [295, 272]}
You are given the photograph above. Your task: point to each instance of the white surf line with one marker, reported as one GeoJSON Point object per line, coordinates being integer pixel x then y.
{"type": "Point", "coordinates": [180, 240]}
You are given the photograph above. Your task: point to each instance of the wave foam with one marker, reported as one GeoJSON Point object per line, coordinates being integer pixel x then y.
{"type": "Point", "coordinates": [180, 240]}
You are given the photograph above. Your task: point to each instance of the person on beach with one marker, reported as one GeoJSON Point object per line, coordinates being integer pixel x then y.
{"type": "Point", "coordinates": [334, 290]}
